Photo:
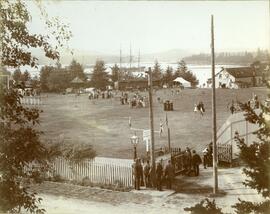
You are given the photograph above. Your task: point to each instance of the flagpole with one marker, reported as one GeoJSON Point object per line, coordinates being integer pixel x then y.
{"type": "Point", "coordinates": [214, 131]}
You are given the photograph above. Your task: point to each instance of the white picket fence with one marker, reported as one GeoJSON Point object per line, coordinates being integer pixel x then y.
{"type": "Point", "coordinates": [36, 101]}
{"type": "Point", "coordinates": [97, 171]}
{"type": "Point", "coordinates": [226, 134]}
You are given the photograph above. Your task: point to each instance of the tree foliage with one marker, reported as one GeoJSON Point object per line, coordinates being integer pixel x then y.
{"type": "Point", "coordinates": [168, 76]}
{"type": "Point", "coordinates": [75, 69]}
{"type": "Point", "coordinates": [20, 146]}
{"type": "Point", "coordinates": [115, 73]}
{"type": "Point", "coordinates": [256, 158]}
{"type": "Point", "coordinates": [156, 73]}
{"type": "Point", "coordinates": [57, 79]}
{"type": "Point", "coordinates": [23, 157]}
{"type": "Point", "coordinates": [182, 71]}
{"type": "Point", "coordinates": [204, 207]}
{"type": "Point", "coordinates": [100, 78]}
{"type": "Point", "coordinates": [17, 41]}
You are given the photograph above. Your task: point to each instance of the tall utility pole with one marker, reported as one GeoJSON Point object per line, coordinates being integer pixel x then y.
{"type": "Point", "coordinates": [214, 134]}
{"type": "Point", "coordinates": [152, 153]}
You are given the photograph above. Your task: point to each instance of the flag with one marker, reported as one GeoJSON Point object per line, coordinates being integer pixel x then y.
{"type": "Point", "coordinates": [129, 122]}
{"type": "Point", "coordinates": [166, 120]}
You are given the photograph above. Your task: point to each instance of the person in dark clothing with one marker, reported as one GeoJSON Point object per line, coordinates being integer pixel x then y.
{"type": "Point", "coordinates": [187, 160]}
{"type": "Point", "coordinates": [196, 161]}
{"type": "Point", "coordinates": [169, 174]}
{"type": "Point", "coordinates": [137, 174]}
{"type": "Point", "coordinates": [140, 173]}
{"type": "Point", "coordinates": [159, 173]}
{"type": "Point", "coordinates": [210, 154]}
{"type": "Point", "coordinates": [146, 173]}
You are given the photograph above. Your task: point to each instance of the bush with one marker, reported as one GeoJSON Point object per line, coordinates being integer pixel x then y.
{"type": "Point", "coordinates": [204, 207]}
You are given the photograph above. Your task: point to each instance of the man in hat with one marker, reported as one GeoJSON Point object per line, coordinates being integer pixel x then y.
{"type": "Point", "coordinates": [196, 161]}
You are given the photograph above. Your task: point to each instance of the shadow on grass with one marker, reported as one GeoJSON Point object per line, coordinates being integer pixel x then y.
{"type": "Point", "coordinates": [186, 186]}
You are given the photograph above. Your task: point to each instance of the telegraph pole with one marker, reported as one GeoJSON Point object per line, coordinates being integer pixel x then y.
{"type": "Point", "coordinates": [214, 125]}
{"type": "Point", "coordinates": [152, 153]}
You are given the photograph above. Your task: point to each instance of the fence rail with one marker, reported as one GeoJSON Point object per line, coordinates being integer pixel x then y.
{"type": "Point", "coordinates": [97, 172]}
{"type": "Point", "coordinates": [224, 152]}
{"type": "Point", "coordinates": [36, 101]}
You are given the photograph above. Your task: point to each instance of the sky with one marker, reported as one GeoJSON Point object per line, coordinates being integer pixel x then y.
{"type": "Point", "coordinates": [105, 26]}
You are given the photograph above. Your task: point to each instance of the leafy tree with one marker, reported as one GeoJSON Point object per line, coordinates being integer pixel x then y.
{"type": "Point", "coordinates": [156, 74]}
{"type": "Point", "coordinates": [26, 76]}
{"type": "Point", "coordinates": [100, 78]}
{"type": "Point", "coordinates": [115, 73]}
{"type": "Point", "coordinates": [19, 139]}
{"type": "Point", "coordinates": [17, 75]}
{"type": "Point", "coordinates": [256, 158]}
{"type": "Point", "coordinates": [182, 71]}
{"type": "Point", "coordinates": [44, 75]}
{"type": "Point", "coordinates": [76, 70]}
{"type": "Point", "coordinates": [168, 76]}
{"type": "Point", "coordinates": [20, 146]}
{"type": "Point", "coordinates": [58, 80]}
{"type": "Point", "coordinates": [16, 40]}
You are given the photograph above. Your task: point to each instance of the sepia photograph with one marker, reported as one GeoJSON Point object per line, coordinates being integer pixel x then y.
{"type": "Point", "coordinates": [129, 106]}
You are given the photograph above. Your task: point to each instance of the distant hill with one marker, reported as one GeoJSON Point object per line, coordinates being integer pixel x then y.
{"type": "Point", "coordinates": [90, 57]}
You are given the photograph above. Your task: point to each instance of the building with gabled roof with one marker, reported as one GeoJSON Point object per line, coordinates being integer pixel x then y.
{"type": "Point", "coordinates": [240, 77]}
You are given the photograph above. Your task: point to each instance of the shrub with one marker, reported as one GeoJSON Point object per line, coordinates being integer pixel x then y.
{"type": "Point", "coordinates": [204, 207]}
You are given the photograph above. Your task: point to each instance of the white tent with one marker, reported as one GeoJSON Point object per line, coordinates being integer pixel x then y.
{"type": "Point", "coordinates": [183, 82]}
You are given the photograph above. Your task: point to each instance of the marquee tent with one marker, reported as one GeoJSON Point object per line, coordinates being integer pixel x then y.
{"type": "Point", "coordinates": [183, 82]}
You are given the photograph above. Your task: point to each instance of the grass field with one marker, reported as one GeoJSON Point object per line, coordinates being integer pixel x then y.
{"type": "Point", "coordinates": [104, 123]}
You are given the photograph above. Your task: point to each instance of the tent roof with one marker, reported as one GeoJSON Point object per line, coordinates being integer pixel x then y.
{"type": "Point", "coordinates": [181, 80]}
{"type": "Point", "coordinates": [76, 80]}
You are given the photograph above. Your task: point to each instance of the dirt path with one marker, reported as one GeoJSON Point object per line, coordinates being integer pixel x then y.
{"type": "Point", "coordinates": [67, 198]}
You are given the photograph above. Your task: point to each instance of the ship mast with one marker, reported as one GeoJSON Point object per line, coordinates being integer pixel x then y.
{"type": "Point", "coordinates": [130, 57]}
{"type": "Point", "coordinates": [139, 67]}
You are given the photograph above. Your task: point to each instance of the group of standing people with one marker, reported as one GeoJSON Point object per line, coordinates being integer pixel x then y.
{"type": "Point", "coordinates": [143, 174]}
{"type": "Point", "coordinates": [137, 101]}
{"type": "Point", "coordinates": [199, 108]}
{"type": "Point", "coordinates": [192, 162]}
{"type": "Point", "coordinates": [124, 98]}
{"type": "Point", "coordinates": [96, 94]}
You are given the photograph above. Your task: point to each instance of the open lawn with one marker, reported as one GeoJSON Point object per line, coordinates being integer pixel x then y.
{"type": "Point", "coordinates": [104, 122]}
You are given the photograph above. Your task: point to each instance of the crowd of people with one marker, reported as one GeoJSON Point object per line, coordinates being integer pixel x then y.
{"type": "Point", "coordinates": [137, 101]}
{"type": "Point", "coordinates": [191, 162]}
{"type": "Point", "coordinates": [165, 173]}
{"type": "Point", "coordinates": [143, 174]}
{"type": "Point", "coordinates": [96, 94]}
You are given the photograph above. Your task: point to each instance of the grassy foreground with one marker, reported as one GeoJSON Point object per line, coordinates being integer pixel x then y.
{"type": "Point", "coordinates": [104, 123]}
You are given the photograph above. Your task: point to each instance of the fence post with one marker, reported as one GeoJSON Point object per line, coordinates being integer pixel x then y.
{"type": "Point", "coordinates": [231, 157]}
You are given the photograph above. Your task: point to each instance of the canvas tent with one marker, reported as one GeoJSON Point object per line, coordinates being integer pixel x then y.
{"type": "Point", "coordinates": [183, 82]}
